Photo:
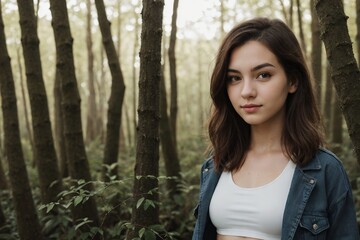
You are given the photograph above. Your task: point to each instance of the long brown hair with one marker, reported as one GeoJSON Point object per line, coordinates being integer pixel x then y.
{"type": "Point", "coordinates": [229, 133]}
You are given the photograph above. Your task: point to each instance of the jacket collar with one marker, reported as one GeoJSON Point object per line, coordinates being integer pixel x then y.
{"type": "Point", "coordinates": [314, 164]}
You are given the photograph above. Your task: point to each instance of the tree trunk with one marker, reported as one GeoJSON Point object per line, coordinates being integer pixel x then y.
{"type": "Point", "coordinates": [291, 11]}
{"type": "Point", "coordinates": [59, 127]}
{"type": "Point", "coordinates": [71, 112]}
{"type": "Point", "coordinates": [337, 128]}
{"type": "Point", "coordinates": [316, 53]}
{"type": "Point", "coordinates": [134, 75]}
{"type": "Point", "coordinates": [301, 31]}
{"type": "Point", "coordinates": [116, 96]}
{"type": "Point", "coordinates": [92, 118]}
{"type": "Point", "coordinates": [44, 152]}
{"type": "Point", "coordinates": [147, 148]}
{"type": "Point", "coordinates": [3, 180]}
{"type": "Point", "coordinates": [26, 216]}
{"type": "Point", "coordinates": [173, 77]}
{"type": "Point", "coordinates": [358, 29]}
{"type": "Point", "coordinates": [328, 103]}
{"type": "Point", "coordinates": [27, 120]}
{"type": "Point", "coordinates": [344, 70]}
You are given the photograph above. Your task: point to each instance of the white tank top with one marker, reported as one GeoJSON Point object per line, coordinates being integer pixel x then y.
{"type": "Point", "coordinates": [251, 212]}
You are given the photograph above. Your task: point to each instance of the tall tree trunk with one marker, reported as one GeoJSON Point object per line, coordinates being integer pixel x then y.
{"type": "Point", "coordinates": [358, 29]}
{"type": "Point", "coordinates": [327, 106]}
{"type": "Point", "coordinates": [173, 77]}
{"type": "Point", "coordinates": [3, 180]}
{"type": "Point", "coordinates": [27, 120]}
{"type": "Point", "coordinates": [337, 128]}
{"type": "Point", "coordinates": [59, 127]}
{"type": "Point", "coordinates": [316, 52]}
{"type": "Point", "coordinates": [301, 31]}
{"type": "Point", "coordinates": [45, 155]}
{"type": "Point", "coordinates": [291, 11]}
{"type": "Point", "coordinates": [147, 148]}
{"type": "Point", "coordinates": [92, 118]}
{"type": "Point", "coordinates": [344, 70]}
{"type": "Point", "coordinates": [134, 71]}
{"type": "Point", "coordinates": [26, 216]}
{"type": "Point", "coordinates": [2, 219]}
{"type": "Point", "coordinates": [117, 93]}
{"type": "Point", "coordinates": [101, 83]}
{"type": "Point", "coordinates": [74, 141]}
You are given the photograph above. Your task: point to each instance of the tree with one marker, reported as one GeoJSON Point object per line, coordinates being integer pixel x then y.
{"type": "Point", "coordinates": [92, 114]}
{"type": "Point", "coordinates": [71, 112]}
{"type": "Point", "coordinates": [44, 151]}
{"type": "Point", "coordinates": [358, 28]}
{"type": "Point", "coordinates": [344, 70]}
{"type": "Point", "coordinates": [173, 77]}
{"type": "Point", "coordinates": [26, 215]}
{"type": "Point", "coordinates": [59, 127]}
{"type": "Point", "coordinates": [27, 120]}
{"type": "Point", "coordinates": [316, 52]}
{"type": "Point", "coordinates": [116, 96]}
{"type": "Point", "coordinates": [327, 102]}
{"type": "Point", "coordinates": [145, 193]}
{"type": "Point", "coordinates": [301, 31]}
{"type": "Point", "coordinates": [337, 129]}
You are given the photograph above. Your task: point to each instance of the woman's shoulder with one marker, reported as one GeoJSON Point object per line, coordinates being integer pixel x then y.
{"type": "Point", "coordinates": [323, 158]}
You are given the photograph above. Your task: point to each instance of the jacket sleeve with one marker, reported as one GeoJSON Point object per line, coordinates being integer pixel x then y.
{"type": "Point", "coordinates": [341, 212]}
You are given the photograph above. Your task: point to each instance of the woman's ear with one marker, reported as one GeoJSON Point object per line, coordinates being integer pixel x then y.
{"type": "Point", "coordinates": [293, 86]}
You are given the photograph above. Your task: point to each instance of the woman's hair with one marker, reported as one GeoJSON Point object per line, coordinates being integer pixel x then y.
{"type": "Point", "coordinates": [229, 133]}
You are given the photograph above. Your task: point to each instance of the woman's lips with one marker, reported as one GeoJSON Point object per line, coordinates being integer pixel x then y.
{"type": "Point", "coordinates": [251, 108]}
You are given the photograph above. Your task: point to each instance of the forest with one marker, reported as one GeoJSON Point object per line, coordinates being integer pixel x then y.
{"type": "Point", "coordinates": [104, 108]}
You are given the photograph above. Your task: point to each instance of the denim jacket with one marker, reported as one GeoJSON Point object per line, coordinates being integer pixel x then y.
{"type": "Point", "coordinates": [319, 204]}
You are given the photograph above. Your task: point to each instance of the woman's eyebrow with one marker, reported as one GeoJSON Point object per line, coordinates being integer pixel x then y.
{"type": "Point", "coordinates": [260, 66]}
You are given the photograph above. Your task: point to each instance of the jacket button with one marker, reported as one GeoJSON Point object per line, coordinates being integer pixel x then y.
{"type": "Point", "coordinates": [206, 169]}
{"type": "Point", "coordinates": [312, 181]}
{"type": "Point", "coordinates": [315, 226]}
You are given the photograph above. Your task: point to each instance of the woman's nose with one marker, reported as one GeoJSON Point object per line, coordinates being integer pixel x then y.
{"type": "Point", "coordinates": [248, 89]}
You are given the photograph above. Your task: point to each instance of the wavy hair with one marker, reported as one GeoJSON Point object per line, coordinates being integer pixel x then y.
{"type": "Point", "coordinates": [229, 133]}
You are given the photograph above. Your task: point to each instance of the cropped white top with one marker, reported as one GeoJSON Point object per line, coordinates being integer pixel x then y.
{"type": "Point", "coordinates": [251, 212]}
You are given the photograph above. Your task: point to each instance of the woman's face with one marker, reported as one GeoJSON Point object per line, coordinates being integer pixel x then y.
{"type": "Point", "coordinates": [257, 85]}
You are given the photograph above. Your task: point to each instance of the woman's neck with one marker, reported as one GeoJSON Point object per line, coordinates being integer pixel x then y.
{"type": "Point", "coordinates": [265, 139]}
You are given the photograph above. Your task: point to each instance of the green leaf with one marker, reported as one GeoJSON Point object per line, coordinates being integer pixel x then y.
{"type": "Point", "coordinates": [149, 235]}
{"type": "Point", "coordinates": [139, 202]}
{"type": "Point", "coordinates": [148, 203]}
{"type": "Point", "coordinates": [141, 232]}
{"type": "Point", "coordinates": [49, 207]}
{"type": "Point", "coordinates": [78, 200]}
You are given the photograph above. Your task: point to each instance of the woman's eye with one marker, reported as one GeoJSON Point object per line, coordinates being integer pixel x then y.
{"type": "Point", "coordinates": [231, 79]}
{"type": "Point", "coordinates": [264, 75]}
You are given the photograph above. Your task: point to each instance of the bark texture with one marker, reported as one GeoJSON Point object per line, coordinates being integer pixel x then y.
{"type": "Point", "coordinates": [59, 127]}
{"type": "Point", "coordinates": [344, 70]}
{"type": "Point", "coordinates": [26, 215]}
{"type": "Point", "coordinates": [173, 77]}
{"type": "Point", "coordinates": [92, 113]}
{"type": "Point", "coordinates": [45, 155]}
{"type": "Point", "coordinates": [147, 149]}
{"type": "Point", "coordinates": [316, 52]}
{"type": "Point", "coordinates": [71, 112]}
{"type": "Point", "coordinates": [112, 140]}
{"type": "Point", "coordinates": [358, 29]}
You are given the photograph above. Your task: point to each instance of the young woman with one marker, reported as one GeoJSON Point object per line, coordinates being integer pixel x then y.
{"type": "Point", "coordinates": [268, 177]}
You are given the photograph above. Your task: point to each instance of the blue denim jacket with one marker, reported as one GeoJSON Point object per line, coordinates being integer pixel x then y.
{"type": "Point", "coordinates": [319, 204]}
